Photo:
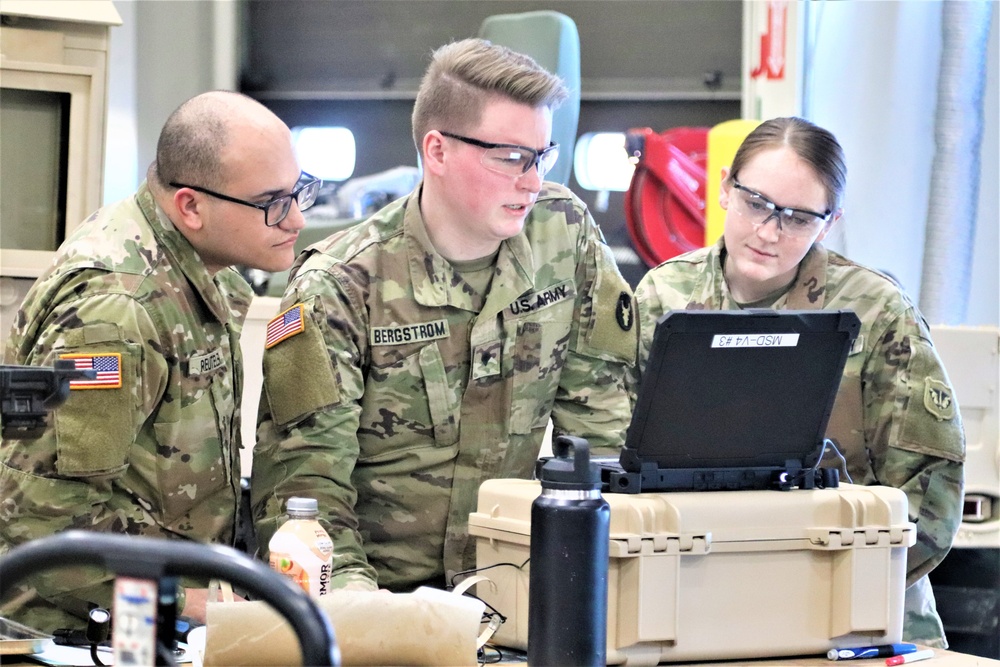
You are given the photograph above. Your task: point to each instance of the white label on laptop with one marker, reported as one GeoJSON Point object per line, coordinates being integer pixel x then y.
{"type": "Point", "coordinates": [756, 340]}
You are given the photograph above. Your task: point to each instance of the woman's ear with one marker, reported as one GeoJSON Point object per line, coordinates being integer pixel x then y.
{"type": "Point", "coordinates": [829, 225]}
{"type": "Point", "coordinates": [724, 189]}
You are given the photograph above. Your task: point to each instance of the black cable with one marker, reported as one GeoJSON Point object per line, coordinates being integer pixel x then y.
{"type": "Point", "coordinates": [483, 569]}
{"type": "Point", "coordinates": [483, 659]}
{"type": "Point", "coordinates": [496, 612]}
{"type": "Point", "coordinates": [93, 655]}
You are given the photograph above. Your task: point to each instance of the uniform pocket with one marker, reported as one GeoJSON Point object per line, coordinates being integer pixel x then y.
{"type": "Point", "coordinates": [408, 403]}
{"type": "Point", "coordinates": [441, 399]}
{"type": "Point", "coordinates": [187, 461]}
{"type": "Point", "coordinates": [538, 356]}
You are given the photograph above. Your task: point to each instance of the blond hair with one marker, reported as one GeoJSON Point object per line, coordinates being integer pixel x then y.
{"type": "Point", "coordinates": [463, 76]}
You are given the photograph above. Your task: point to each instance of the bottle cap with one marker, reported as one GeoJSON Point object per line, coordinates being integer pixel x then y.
{"type": "Point", "coordinates": [570, 471]}
{"type": "Point", "coordinates": [302, 506]}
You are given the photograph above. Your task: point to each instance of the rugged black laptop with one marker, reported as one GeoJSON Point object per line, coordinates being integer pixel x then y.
{"type": "Point", "coordinates": [735, 400]}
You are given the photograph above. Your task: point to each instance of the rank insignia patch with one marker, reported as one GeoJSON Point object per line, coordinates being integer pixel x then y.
{"type": "Point", "coordinates": [285, 325]}
{"type": "Point", "coordinates": [108, 368]}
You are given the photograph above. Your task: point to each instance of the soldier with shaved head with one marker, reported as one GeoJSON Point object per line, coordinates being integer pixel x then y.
{"type": "Point", "coordinates": [143, 293]}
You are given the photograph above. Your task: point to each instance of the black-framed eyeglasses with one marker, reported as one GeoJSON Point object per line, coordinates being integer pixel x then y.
{"type": "Point", "coordinates": [758, 209]}
{"type": "Point", "coordinates": [512, 159]}
{"type": "Point", "coordinates": [275, 210]}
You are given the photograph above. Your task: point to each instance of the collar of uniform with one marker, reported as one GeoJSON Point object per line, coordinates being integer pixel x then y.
{"type": "Point", "coordinates": [805, 294]}
{"type": "Point", "coordinates": [710, 290]}
{"type": "Point", "coordinates": [434, 280]}
{"type": "Point", "coordinates": [515, 274]}
{"type": "Point", "coordinates": [808, 292]}
{"type": "Point", "coordinates": [186, 258]}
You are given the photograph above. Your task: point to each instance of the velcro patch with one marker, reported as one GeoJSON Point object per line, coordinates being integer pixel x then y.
{"type": "Point", "coordinates": [486, 360]}
{"type": "Point", "coordinates": [606, 335]}
{"type": "Point", "coordinates": [107, 365]}
{"type": "Point", "coordinates": [284, 326]}
{"type": "Point", "coordinates": [938, 399]}
{"type": "Point", "coordinates": [535, 301]}
{"type": "Point", "coordinates": [300, 377]}
{"type": "Point", "coordinates": [409, 333]}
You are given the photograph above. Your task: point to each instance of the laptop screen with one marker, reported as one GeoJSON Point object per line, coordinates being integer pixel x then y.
{"type": "Point", "coordinates": [738, 389]}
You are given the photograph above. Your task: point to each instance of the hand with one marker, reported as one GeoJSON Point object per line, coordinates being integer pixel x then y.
{"type": "Point", "coordinates": [196, 599]}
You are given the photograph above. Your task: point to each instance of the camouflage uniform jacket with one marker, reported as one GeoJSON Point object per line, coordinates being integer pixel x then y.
{"type": "Point", "coordinates": [405, 390]}
{"type": "Point", "coordinates": [155, 449]}
{"type": "Point", "coordinates": [895, 418]}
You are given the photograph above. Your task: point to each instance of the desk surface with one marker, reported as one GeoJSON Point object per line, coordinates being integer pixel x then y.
{"type": "Point", "coordinates": [942, 658]}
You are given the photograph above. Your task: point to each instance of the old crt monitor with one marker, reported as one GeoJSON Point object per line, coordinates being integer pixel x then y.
{"type": "Point", "coordinates": [734, 400]}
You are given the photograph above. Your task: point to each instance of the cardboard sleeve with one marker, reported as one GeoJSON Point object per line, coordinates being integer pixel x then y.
{"type": "Point", "coordinates": [371, 628]}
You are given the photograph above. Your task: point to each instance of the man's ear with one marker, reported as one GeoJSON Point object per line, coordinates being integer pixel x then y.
{"type": "Point", "coordinates": [433, 152]}
{"type": "Point", "coordinates": [188, 205]}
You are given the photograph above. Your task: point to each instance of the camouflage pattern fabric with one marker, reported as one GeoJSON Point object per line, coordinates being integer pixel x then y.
{"type": "Point", "coordinates": [895, 419]}
{"type": "Point", "coordinates": [154, 450]}
{"type": "Point", "coordinates": [405, 389]}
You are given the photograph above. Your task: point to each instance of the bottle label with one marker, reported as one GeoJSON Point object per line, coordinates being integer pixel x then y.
{"type": "Point", "coordinates": [302, 551]}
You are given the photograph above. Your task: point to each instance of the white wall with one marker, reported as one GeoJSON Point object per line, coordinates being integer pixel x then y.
{"type": "Point", "coordinates": [121, 148]}
{"type": "Point", "coordinates": [165, 52]}
{"type": "Point", "coordinates": [873, 84]}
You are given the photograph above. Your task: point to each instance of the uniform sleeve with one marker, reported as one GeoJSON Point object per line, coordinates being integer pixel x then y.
{"type": "Point", "coordinates": [914, 428]}
{"type": "Point", "coordinates": [307, 442]}
{"type": "Point", "coordinates": [592, 400]}
{"type": "Point", "coordinates": [65, 479]}
{"type": "Point", "coordinates": [649, 309]}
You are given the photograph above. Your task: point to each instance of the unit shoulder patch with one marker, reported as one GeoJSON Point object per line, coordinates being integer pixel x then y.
{"type": "Point", "coordinates": [106, 366]}
{"type": "Point", "coordinates": [285, 325]}
{"type": "Point", "coordinates": [623, 311]}
{"type": "Point", "coordinates": [938, 399]}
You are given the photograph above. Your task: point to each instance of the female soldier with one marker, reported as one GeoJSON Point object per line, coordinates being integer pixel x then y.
{"type": "Point", "coordinates": [895, 418]}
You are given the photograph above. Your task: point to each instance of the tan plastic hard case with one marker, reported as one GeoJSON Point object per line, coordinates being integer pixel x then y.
{"type": "Point", "coordinates": [721, 574]}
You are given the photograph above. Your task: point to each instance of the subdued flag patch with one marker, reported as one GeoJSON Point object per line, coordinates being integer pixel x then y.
{"type": "Point", "coordinates": [285, 325]}
{"type": "Point", "coordinates": [107, 365]}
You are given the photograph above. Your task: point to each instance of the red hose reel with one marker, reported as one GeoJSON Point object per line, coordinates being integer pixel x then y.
{"type": "Point", "coordinates": [665, 202]}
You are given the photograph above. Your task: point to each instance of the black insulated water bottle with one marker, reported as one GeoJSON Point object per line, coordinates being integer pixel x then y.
{"type": "Point", "coordinates": [568, 579]}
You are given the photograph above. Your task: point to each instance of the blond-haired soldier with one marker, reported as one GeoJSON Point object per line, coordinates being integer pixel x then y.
{"type": "Point", "coordinates": [429, 346]}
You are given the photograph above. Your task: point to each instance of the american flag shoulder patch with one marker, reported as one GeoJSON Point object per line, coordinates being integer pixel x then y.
{"type": "Point", "coordinates": [285, 325]}
{"type": "Point", "coordinates": [107, 364]}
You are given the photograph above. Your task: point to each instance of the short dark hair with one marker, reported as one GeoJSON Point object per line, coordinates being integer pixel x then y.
{"type": "Point", "coordinates": [815, 145]}
{"type": "Point", "coordinates": [464, 75]}
{"type": "Point", "coordinates": [192, 139]}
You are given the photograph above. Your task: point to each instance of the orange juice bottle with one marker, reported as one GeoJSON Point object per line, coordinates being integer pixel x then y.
{"type": "Point", "coordinates": [301, 549]}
